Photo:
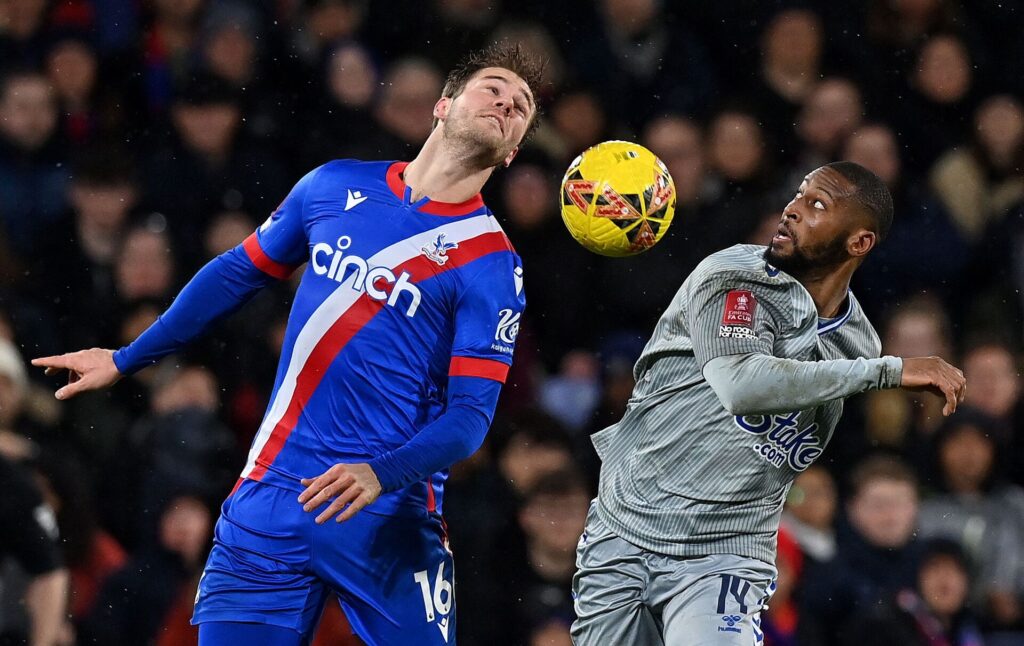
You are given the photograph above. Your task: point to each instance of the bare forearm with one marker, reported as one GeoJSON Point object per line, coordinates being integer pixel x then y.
{"type": "Point", "coordinates": [46, 602]}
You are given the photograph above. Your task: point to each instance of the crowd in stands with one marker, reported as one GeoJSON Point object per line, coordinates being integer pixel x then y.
{"type": "Point", "coordinates": [141, 138]}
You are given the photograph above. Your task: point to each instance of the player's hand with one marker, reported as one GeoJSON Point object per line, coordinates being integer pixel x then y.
{"type": "Point", "coordinates": [355, 485]}
{"type": "Point", "coordinates": [87, 370]}
{"type": "Point", "coordinates": [932, 374]}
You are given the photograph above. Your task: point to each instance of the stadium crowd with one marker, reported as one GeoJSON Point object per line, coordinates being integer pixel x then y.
{"type": "Point", "coordinates": [140, 138]}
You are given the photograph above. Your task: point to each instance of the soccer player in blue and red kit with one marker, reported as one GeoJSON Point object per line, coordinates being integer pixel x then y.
{"type": "Point", "coordinates": [398, 341]}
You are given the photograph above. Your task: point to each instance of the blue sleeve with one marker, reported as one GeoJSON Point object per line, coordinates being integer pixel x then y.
{"type": "Point", "coordinates": [281, 243]}
{"type": "Point", "coordinates": [486, 324]}
{"type": "Point", "coordinates": [221, 287]}
{"type": "Point", "coordinates": [453, 436]}
{"type": "Point", "coordinates": [488, 314]}
{"type": "Point", "coordinates": [226, 283]}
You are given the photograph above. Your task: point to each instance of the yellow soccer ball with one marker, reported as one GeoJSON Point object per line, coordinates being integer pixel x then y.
{"type": "Point", "coordinates": [617, 199]}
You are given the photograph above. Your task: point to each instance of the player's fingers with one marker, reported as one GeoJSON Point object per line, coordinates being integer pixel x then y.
{"type": "Point", "coordinates": [74, 387]}
{"type": "Point", "coordinates": [325, 494]}
{"type": "Point", "coordinates": [344, 498]}
{"type": "Point", "coordinates": [356, 505]}
{"type": "Point", "coordinates": [58, 361]}
{"type": "Point", "coordinates": [313, 486]}
{"type": "Point", "coordinates": [950, 393]}
{"type": "Point", "coordinates": [52, 371]}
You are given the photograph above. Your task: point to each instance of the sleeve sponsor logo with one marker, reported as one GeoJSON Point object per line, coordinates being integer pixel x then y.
{"type": "Point", "coordinates": [738, 316]}
{"type": "Point", "coordinates": [508, 326]}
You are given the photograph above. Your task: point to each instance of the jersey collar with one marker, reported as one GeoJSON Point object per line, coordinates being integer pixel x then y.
{"type": "Point", "coordinates": [427, 205]}
{"type": "Point", "coordinates": [827, 325]}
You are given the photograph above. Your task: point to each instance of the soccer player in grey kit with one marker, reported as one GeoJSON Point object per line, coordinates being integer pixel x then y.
{"type": "Point", "coordinates": [738, 390]}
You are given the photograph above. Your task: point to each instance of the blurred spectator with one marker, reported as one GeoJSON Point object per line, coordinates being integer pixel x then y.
{"type": "Point", "coordinates": [139, 603]}
{"type": "Point", "coordinates": [21, 31]}
{"type": "Point", "coordinates": [30, 537]}
{"type": "Point", "coordinates": [780, 623]}
{"type": "Point", "coordinates": [180, 445]}
{"type": "Point", "coordinates": [167, 49]}
{"type": "Point", "coordinates": [207, 166]}
{"type": "Point", "coordinates": [226, 231]}
{"type": "Point", "coordinates": [979, 181]}
{"type": "Point", "coordinates": [936, 113]}
{"type": "Point", "coordinates": [74, 270]}
{"type": "Point", "coordinates": [903, 420]}
{"type": "Point", "coordinates": [894, 29]}
{"type": "Point", "coordinates": [809, 514]}
{"type": "Point", "coordinates": [741, 164]}
{"type": "Point", "coordinates": [679, 143]}
{"type": "Point", "coordinates": [579, 122]}
{"type": "Point", "coordinates": [790, 68]}
{"type": "Point", "coordinates": [73, 68]}
{"type": "Point", "coordinates": [324, 23]}
{"type": "Point", "coordinates": [529, 446]}
{"type": "Point", "coordinates": [992, 370]}
{"type": "Point", "coordinates": [32, 175]}
{"type": "Point", "coordinates": [641, 60]}
{"type": "Point", "coordinates": [534, 575]}
{"type": "Point", "coordinates": [833, 109]}
{"type": "Point", "coordinates": [91, 554]}
{"type": "Point", "coordinates": [145, 266]}
{"type": "Point", "coordinates": [403, 110]}
{"type": "Point", "coordinates": [924, 252]}
{"type": "Point", "coordinates": [572, 394]}
{"type": "Point", "coordinates": [877, 552]}
{"type": "Point", "coordinates": [977, 509]}
{"type": "Point", "coordinates": [935, 611]}
{"type": "Point", "coordinates": [482, 506]}
{"type": "Point", "coordinates": [336, 124]}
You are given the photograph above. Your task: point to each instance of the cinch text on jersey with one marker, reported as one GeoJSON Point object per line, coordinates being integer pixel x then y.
{"type": "Point", "coordinates": [355, 272]}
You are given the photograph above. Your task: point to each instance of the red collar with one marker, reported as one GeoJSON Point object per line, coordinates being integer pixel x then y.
{"type": "Point", "coordinates": [400, 188]}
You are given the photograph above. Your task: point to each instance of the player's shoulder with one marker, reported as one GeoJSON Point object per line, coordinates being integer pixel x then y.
{"type": "Point", "coordinates": [861, 332]}
{"type": "Point", "coordinates": [351, 169]}
{"type": "Point", "coordinates": [744, 262]}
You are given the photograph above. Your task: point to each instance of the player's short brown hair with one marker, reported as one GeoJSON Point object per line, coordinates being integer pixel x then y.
{"type": "Point", "coordinates": [506, 55]}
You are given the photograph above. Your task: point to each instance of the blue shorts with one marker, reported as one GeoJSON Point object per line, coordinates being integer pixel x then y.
{"type": "Point", "coordinates": [272, 564]}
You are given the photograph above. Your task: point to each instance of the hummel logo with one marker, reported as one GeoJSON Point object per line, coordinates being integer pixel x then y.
{"type": "Point", "coordinates": [354, 199]}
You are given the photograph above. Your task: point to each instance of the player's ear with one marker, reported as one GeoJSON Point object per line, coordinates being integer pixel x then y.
{"type": "Point", "coordinates": [441, 107]}
{"type": "Point", "coordinates": [511, 155]}
{"type": "Point", "coordinates": [861, 242]}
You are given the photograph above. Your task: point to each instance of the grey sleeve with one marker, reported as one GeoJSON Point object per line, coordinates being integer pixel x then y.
{"type": "Point", "coordinates": [753, 384]}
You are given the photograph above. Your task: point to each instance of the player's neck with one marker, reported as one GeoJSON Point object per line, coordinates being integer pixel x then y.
{"type": "Point", "coordinates": [828, 290]}
{"type": "Point", "coordinates": [443, 176]}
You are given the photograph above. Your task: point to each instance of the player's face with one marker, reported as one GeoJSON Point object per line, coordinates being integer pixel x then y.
{"type": "Point", "coordinates": [490, 116]}
{"type": "Point", "coordinates": [815, 225]}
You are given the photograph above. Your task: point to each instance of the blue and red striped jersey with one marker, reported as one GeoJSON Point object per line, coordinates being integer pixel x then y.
{"type": "Point", "coordinates": [396, 298]}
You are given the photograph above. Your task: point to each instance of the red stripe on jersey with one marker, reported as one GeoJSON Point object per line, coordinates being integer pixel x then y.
{"type": "Point", "coordinates": [473, 367]}
{"type": "Point", "coordinates": [397, 185]}
{"type": "Point", "coordinates": [264, 262]}
{"type": "Point", "coordinates": [431, 501]}
{"type": "Point", "coordinates": [349, 324]}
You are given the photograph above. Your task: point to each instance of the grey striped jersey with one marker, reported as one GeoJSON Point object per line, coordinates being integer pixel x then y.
{"type": "Point", "coordinates": [680, 475]}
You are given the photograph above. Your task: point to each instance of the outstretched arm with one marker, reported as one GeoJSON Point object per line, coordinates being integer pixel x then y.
{"type": "Point", "coordinates": [752, 384]}
{"type": "Point", "coordinates": [220, 288]}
